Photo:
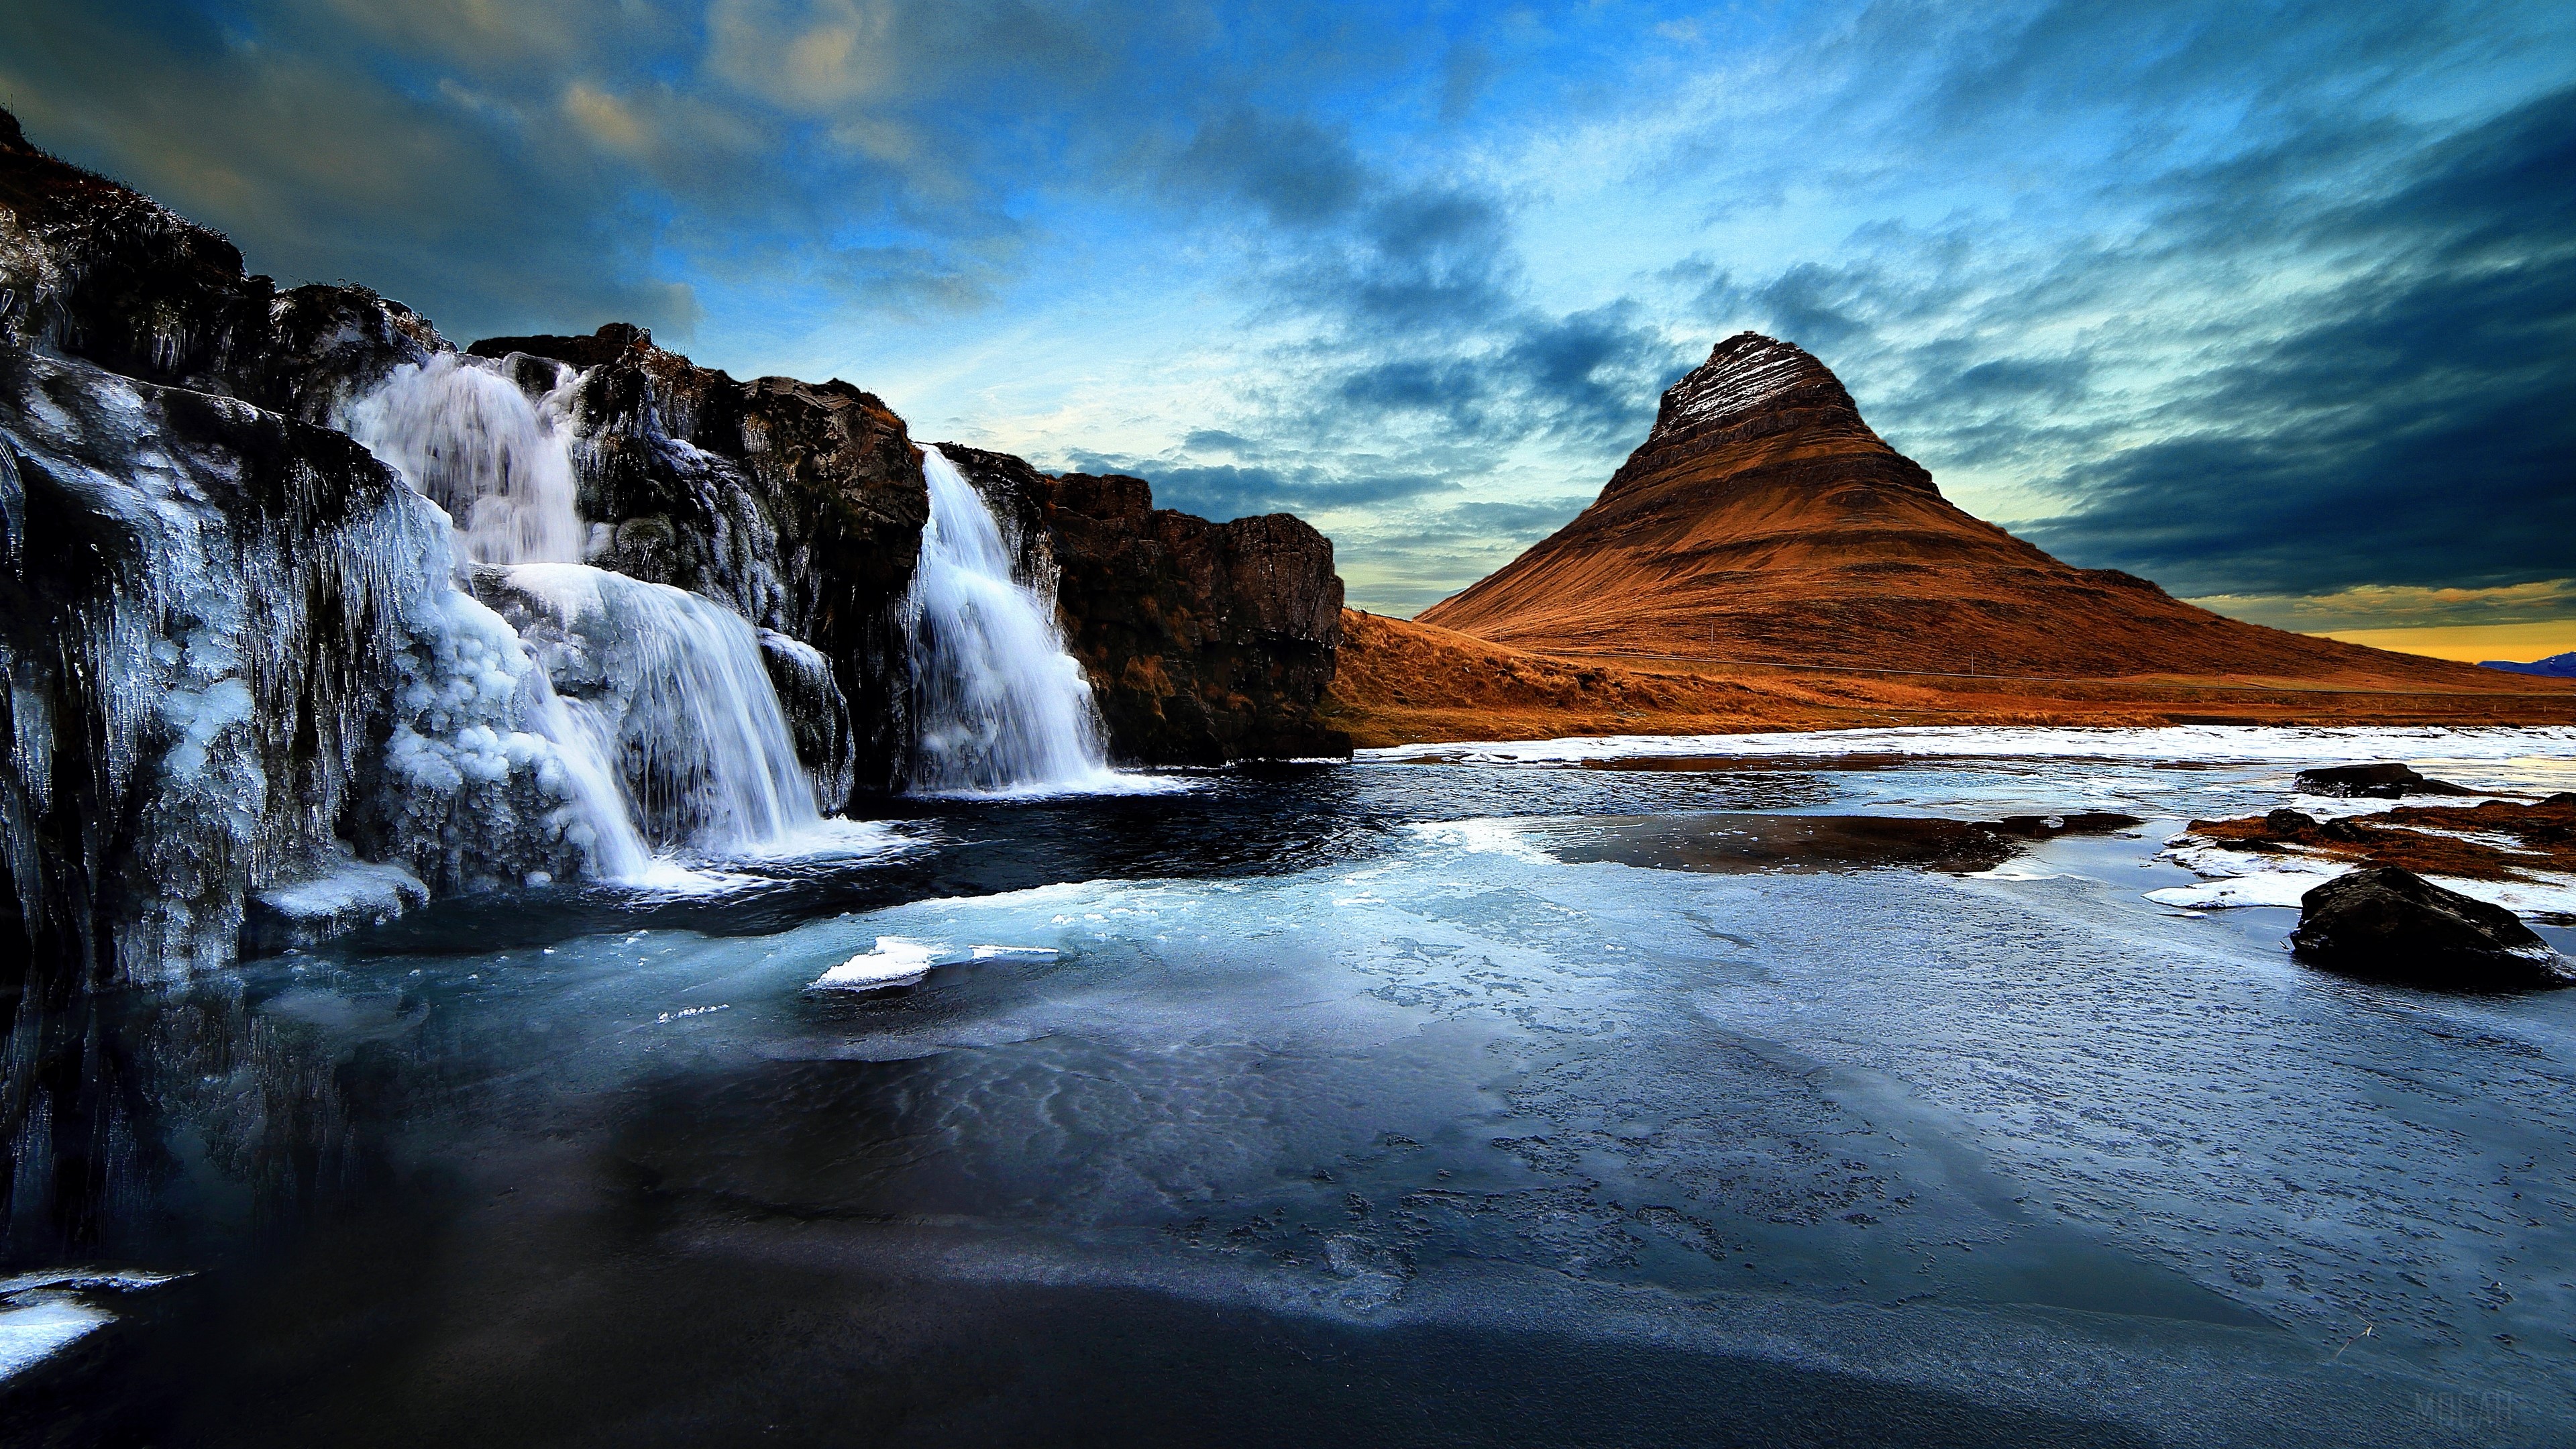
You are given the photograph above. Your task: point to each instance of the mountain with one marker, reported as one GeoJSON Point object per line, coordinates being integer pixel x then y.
{"type": "Point", "coordinates": [2556, 666]}
{"type": "Point", "coordinates": [1763, 521]}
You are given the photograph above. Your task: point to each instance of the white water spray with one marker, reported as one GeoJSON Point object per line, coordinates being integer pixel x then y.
{"type": "Point", "coordinates": [998, 703]}
{"type": "Point", "coordinates": [674, 688]}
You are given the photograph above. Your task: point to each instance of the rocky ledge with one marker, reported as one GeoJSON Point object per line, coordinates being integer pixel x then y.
{"type": "Point", "coordinates": [2500, 840]}
{"type": "Point", "coordinates": [2372, 782]}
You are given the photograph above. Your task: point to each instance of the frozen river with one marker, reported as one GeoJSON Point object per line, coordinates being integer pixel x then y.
{"type": "Point", "coordinates": [1704, 1091]}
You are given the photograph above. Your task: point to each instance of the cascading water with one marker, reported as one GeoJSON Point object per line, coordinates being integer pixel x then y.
{"type": "Point", "coordinates": [465, 436]}
{"type": "Point", "coordinates": [998, 702]}
{"type": "Point", "coordinates": [669, 729]}
{"type": "Point", "coordinates": [673, 687]}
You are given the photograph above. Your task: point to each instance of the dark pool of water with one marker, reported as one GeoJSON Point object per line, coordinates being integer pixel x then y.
{"type": "Point", "coordinates": [1373, 1104]}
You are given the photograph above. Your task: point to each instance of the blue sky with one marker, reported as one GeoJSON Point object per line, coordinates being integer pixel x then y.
{"type": "Point", "coordinates": [2273, 304]}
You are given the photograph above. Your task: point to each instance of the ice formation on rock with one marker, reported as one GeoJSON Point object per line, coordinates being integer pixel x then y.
{"type": "Point", "coordinates": [194, 698]}
{"type": "Point", "coordinates": [665, 728]}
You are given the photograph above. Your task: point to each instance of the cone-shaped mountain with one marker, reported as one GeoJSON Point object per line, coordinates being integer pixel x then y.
{"type": "Point", "coordinates": [1763, 521]}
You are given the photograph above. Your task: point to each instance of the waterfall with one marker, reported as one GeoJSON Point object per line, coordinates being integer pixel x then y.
{"type": "Point", "coordinates": [998, 702]}
{"type": "Point", "coordinates": [657, 701]}
{"type": "Point", "coordinates": [463, 434]}
{"type": "Point", "coordinates": [672, 687]}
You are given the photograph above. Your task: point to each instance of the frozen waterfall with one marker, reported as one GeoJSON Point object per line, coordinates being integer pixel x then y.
{"type": "Point", "coordinates": [657, 702]}
{"type": "Point", "coordinates": [998, 704]}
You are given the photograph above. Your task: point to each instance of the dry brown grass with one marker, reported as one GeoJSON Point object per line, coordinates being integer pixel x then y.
{"type": "Point", "coordinates": [1402, 682]}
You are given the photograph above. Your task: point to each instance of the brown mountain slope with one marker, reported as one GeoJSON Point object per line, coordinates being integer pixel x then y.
{"type": "Point", "coordinates": [1401, 681]}
{"type": "Point", "coordinates": [1764, 522]}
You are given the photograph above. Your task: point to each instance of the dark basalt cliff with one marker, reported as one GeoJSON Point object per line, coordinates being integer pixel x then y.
{"type": "Point", "coordinates": [1206, 642]}
{"type": "Point", "coordinates": [92, 270]}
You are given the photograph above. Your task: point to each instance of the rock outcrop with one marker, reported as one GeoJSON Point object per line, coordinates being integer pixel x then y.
{"type": "Point", "coordinates": [1763, 521]}
{"type": "Point", "coordinates": [2390, 923]}
{"type": "Point", "coordinates": [92, 270]}
{"type": "Point", "coordinates": [2387, 781]}
{"type": "Point", "coordinates": [2500, 840]}
{"type": "Point", "coordinates": [1206, 642]}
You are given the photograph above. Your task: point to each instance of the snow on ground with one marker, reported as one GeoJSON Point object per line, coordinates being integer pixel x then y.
{"type": "Point", "coordinates": [2553, 747]}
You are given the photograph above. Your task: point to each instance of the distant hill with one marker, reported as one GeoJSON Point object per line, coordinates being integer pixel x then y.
{"type": "Point", "coordinates": [1762, 521]}
{"type": "Point", "coordinates": [2556, 666]}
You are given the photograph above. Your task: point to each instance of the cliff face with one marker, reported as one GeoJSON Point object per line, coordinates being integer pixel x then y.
{"type": "Point", "coordinates": [800, 506]}
{"type": "Point", "coordinates": [1762, 521]}
{"type": "Point", "coordinates": [1206, 642]}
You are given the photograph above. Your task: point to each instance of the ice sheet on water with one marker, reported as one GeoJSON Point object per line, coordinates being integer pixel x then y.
{"type": "Point", "coordinates": [2244, 878]}
{"type": "Point", "coordinates": [41, 1326]}
{"type": "Point", "coordinates": [896, 961]}
{"type": "Point", "coordinates": [42, 1313]}
{"type": "Point", "coordinates": [1103, 781]}
{"type": "Point", "coordinates": [1479, 837]}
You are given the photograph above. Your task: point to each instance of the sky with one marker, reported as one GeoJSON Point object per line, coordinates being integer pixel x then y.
{"type": "Point", "coordinates": [2273, 304]}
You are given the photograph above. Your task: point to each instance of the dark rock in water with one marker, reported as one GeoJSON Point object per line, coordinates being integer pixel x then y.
{"type": "Point", "coordinates": [2388, 922]}
{"type": "Point", "coordinates": [1206, 642]}
{"type": "Point", "coordinates": [2287, 826]}
{"type": "Point", "coordinates": [2373, 782]}
{"type": "Point", "coordinates": [2556, 666]}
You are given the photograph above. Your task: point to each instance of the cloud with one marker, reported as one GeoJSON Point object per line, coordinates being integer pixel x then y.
{"type": "Point", "coordinates": [2262, 302]}
{"type": "Point", "coordinates": [1228, 491]}
{"type": "Point", "coordinates": [2384, 606]}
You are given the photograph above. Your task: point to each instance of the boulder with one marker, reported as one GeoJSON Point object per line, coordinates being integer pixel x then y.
{"type": "Point", "coordinates": [2372, 782]}
{"type": "Point", "coordinates": [2390, 923]}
